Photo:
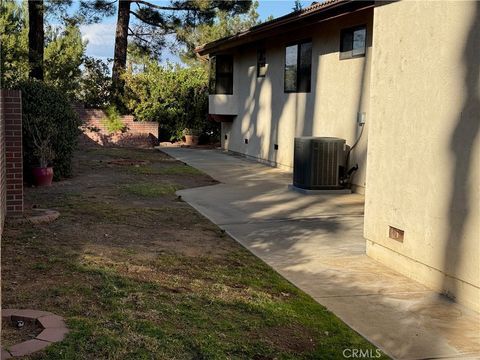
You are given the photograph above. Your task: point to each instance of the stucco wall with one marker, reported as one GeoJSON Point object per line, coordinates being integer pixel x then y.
{"type": "Point", "coordinates": [423, 154]}
{"type": "Point", "coordinates": [222, 104]}
{"type": "Point", "coordinates": [268, 116]}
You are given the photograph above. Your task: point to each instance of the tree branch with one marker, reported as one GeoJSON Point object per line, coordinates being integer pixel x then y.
{"type": "Point", "coordinates": [165, 7]}
{"type": "Point", "coordinates": [165, 27]}
{"type": "Point", "coordinates": [145, 20]}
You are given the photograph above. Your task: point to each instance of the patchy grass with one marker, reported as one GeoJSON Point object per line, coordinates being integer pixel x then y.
{"type": "Point", "coordinates": [152, 279]}
{"type": "Point", "coordinates": [151, 189]}
{"type": "Point", "coordinates": [166, 170]}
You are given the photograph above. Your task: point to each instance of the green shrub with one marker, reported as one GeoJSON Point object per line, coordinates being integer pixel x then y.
{"type": "Point", "coordinates": [113, 121]}
{"type": "Point", "coordinates": [174, 96]}
{"type": "Point", "coordinates": [49, 111]}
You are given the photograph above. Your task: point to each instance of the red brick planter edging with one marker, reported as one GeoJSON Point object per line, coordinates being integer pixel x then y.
{"type": "Point", "coordinates": [35, 216]}
{"type": "Point", "coordinates": [54, 330]}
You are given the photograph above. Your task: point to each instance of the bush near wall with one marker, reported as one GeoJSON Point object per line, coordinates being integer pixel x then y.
{"type": "Point", "coordinates": [174, 96]}
{"type": "Point", "coordinates": [49, 109]}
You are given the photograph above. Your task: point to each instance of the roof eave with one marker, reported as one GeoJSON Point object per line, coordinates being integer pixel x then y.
{"type": "Point", "coordinates": [262, 30]}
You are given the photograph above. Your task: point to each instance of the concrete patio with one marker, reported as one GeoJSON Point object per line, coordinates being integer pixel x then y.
{"type": "Point", "coordinates": [316, 242]}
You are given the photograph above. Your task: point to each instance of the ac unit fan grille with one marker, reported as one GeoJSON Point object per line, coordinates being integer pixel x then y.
{"type": "Point", "coordinates": [317, 162]}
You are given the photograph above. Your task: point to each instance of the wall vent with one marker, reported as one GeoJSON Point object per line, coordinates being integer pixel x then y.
{"type": "Point", "coordinates": [319, 162]}
{"type": "Point", "coordinates": [395, 234]}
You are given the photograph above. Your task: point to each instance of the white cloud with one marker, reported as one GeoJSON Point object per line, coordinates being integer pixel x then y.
{"type": "Point", "coordinates": [98, 34]}
{"type": "Point", "coordinates": [101, 39]}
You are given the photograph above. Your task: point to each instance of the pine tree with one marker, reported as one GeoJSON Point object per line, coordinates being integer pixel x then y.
{"type": "Point", "coordinates": [154, 23]}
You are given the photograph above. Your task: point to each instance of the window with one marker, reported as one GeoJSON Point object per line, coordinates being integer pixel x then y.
{"type": "Point", "coordinates": [352, 42]}
{"type": "Point", "coordinates": [261, 63]}
{"type": "Point", "coordinates": [298, 67]}
{"type": "Point", "coordinates": [221, 74]}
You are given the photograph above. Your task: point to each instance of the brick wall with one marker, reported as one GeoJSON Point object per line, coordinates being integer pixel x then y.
{"type": "Point", "coordinates": [3, 174]}
{"type": "Point", "coordinates": [12, 115]}
{"type": "Point", "coordinates": [137, 134]}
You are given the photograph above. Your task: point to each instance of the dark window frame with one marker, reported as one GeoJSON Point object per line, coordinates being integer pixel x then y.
{"type": "Point", "coordinates": [213, 86]}
{"type": "Point", "coordinates": [299, 44]}
{"type": "Point", "coordinates": [345, 54]}
{"type": "Point", "coordinates": [261, 62]}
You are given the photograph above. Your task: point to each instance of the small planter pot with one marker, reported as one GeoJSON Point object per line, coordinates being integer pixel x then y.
{"type": "Point", "coordinates": [42, 176]}
{"type": "Point", "coordinates": [191, 140]}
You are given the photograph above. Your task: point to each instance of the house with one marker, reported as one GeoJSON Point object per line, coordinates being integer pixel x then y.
{"type": "Point", "coordinates": [398, 79]}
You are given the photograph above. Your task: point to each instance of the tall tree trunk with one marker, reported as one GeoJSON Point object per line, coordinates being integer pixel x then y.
{"type": "Point", "coordinates": [121, 42]}
{"type": "Point", "coordinates": [36, 38]}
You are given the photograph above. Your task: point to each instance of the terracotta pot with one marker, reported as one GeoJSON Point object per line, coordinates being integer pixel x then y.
{"type": "Point", "coordinates": [191, 140]}
{"type": "Point", "coordinates": [42, 176]}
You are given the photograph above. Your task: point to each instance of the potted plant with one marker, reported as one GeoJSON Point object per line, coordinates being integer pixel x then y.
{"type": "Point", "coordinates": [43, 173]}
{"type": "Point", "coordinates": [191, 136]}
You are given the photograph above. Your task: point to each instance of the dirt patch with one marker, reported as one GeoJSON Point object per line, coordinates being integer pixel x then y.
{"type": "Point", "coordinates": [291, 338]}
{"type": "Point", "coordinates": [14, 332]}
{"type": "Point", "coordinates": [127, 162]}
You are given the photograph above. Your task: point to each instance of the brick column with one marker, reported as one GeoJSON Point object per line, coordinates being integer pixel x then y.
{"type": "Point", "coordinates": [12, 115]}
{"type": "Point", "coordinates": [3, 175]}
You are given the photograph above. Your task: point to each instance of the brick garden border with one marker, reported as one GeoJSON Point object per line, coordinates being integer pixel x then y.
{"type": "Point", "coordinates": [54, 330]}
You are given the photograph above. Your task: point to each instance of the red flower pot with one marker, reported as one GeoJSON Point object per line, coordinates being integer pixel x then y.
{"type": "Point", "coordinates": [42, 176]}
{"type": "Point", "coordinates": [191, 140]}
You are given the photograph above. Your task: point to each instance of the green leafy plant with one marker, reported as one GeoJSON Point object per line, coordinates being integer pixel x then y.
{"type": "Point", "coordinates": [50, 127]}
{"type": "Point", "coordinates": [192, 132]}
{"type": "Point", "coordinates": [113, 121]}
{"type": "Point", "coordinates": [175, 96]}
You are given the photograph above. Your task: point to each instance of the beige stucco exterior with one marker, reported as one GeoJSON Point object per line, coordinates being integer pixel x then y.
{"type": "Point", "coordinates": [419, 88]}
{"type": "Point", "coordinates": [424, 150]}
{"type": "Point", "coordinates": [223, 104]}
{"type": "Point", "coordinates": [266, 115]}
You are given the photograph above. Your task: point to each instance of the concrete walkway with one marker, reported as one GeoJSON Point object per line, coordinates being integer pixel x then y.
{"type": "Point", "coordinates": [316, 242]}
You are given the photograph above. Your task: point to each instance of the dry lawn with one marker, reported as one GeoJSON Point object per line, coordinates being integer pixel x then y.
{"type": "Point", "coordinates": [139, 274]}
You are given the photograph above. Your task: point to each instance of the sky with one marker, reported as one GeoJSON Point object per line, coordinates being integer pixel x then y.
{"type": "Point", "coordinates": [101, 37]}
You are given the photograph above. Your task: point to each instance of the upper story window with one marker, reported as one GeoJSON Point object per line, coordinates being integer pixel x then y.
{"type": "Point", "coordinates": [353, 42]}
{"type": "Point", "coordinates": [261, 63]}
{"type": "Point", "coordinates": [221, 74]}
{"type": "Point", "coordinates": [298, 67]}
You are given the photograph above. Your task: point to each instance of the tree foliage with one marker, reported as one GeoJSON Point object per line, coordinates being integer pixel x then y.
{"type": "Point", "coordinates": [63, 57]}
{"type": "Point", "coordinates": [49, 111]}
{"type": "Point", "coordinates": [14, 43]}
{"type": "Point", "coordinates": [154, 22]}
{"type": "Point", "coordinates": [63, 54]}
{"type": "Point", "coordinates": [95, 83]}
{"type": "Point", "coordinates": [224, 25]}
{"type": "Point", "coordinates": [297, 6]}
{"type": "Point", "coordinates": [179, 17]}
{"type": "Point", "coordinates": [176, 97]}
